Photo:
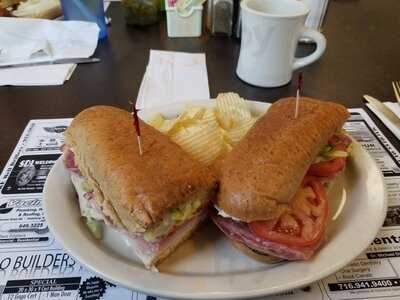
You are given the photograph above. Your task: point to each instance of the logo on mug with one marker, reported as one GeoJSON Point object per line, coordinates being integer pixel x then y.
{"type": "Point", "coordinates": [257, 39]}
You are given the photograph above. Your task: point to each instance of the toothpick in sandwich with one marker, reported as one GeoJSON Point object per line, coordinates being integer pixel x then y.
{"type": "Point", "coordinates": [137, 126]}
{"type": "Point", "coordinates": [299, 85]}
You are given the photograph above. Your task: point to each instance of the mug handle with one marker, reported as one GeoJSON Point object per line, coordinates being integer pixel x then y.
{"type": "Point", "coordinates": [319, 39]}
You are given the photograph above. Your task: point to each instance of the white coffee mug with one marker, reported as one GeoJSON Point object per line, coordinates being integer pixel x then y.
{"type": "Point", "coordinates": [270, 33]}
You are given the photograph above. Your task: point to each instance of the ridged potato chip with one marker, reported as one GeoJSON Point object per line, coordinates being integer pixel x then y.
{"type": "Point", "coordinates": [169, 125]}
{"type": "Point", "coordinates": [208, 134]}
{"type": "Point", "coordinates": [209, 118]}
{"type": "Point", "coordinates": [202, 142]}
{"type": "Point", "coordinates": [236, 134]}
{"type": "Point", "coordinates": [194, 112]}
{"type": "Point", "coordinates": [231, 110]}
{"type": "Point", "coordinates": [157, 121]}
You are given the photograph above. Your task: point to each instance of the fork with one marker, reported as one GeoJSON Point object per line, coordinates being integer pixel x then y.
{"type": "Point", "coordinates": [396, 88]}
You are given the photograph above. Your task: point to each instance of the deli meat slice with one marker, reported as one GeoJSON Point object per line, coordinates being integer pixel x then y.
{"type": "Point", "coordinates": [240, 232]}
{"type": "Point", "coordinates": [69, 160]}
{"type": "Point", "coordinates": [164, 241]}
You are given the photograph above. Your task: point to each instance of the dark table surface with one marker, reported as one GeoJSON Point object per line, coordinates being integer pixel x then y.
{"type": "Point", "coordinates": [362, 56]}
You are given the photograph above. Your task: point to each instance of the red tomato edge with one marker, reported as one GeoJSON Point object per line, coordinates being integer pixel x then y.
{"type": "Point", "coordinates": [259, 229]}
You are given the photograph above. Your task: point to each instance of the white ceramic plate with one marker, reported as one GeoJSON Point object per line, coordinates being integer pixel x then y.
{"type": "Point", "coordinates": [207, 266]}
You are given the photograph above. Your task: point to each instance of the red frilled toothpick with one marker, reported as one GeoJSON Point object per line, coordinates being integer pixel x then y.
{"type": "Point", "coordinates": [137, 126]}
{"type": "Point", "coordinates": [299, 86]}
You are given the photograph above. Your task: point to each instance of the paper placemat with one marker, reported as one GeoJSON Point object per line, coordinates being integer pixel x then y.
{"type": "Point", "coordinates": [27, 255]}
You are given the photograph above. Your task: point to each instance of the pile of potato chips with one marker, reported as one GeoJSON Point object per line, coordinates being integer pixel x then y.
{"type": "Point", "coordinates": [207, 133]}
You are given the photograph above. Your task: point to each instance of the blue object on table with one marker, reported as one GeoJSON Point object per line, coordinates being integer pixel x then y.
{"type": "Point", "coordinates": [86, 10]}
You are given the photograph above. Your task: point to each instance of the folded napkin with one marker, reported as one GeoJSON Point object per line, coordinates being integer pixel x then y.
{"type": "Point", "coordinates": [317, 13]}
{"type": "Point", "coordinates": [32, 40]}
{"type": "Point", "coordinates": [394, 107]}
{"type": "Point", "coordinates": [173, 77]}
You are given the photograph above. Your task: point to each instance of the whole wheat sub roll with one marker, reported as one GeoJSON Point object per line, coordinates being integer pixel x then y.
{"type": "Point", "coordinates": [263, 172]}
{"type": "Point", "coordinates": [141, 188]}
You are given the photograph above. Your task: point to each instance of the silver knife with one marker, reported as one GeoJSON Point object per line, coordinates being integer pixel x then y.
{"type": "Point", "coordinates": [53, 62]}
{"type": "Point", "coordinates": [383, 109]}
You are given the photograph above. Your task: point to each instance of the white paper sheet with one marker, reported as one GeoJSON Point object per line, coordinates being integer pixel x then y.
{"type": "Point", "coordinates": [173, 77]}
{"type": "Point", "coordinates": [30, 40]}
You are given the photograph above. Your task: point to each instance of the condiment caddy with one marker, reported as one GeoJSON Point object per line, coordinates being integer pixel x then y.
{"type": "Point", "coordinates": [184, 17]}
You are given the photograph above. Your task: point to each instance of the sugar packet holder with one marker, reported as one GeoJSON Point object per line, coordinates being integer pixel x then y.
{"type": "Point", "coordinates": [184, 18]}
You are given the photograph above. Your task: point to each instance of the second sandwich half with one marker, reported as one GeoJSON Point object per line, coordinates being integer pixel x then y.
{"type": "Point", "coordinates": [272, 200]}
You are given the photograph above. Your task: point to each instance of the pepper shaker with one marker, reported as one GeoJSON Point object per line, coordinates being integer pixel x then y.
{"type": "Point", "coordinates": [237, 19]}
{"type": "Point", "coordinates": [220, 16]}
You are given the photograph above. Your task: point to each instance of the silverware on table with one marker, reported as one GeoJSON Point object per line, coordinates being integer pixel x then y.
{"type": "Point", "coordinates": [53, 62]}
{"type": "Point", "coordinates": [382, 108]}
{"type": "Point", "coordinates": [35, 230]}
{"type": "Point", "coordinates": [396, 88]}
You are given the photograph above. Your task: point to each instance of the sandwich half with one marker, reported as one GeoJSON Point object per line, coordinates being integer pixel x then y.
{"type": "Point", "coordinates": [156, 199]}
{"type": "Point", "coordinates": [272, 198]}
{"type": "Point", "coordinates": [38, 9]}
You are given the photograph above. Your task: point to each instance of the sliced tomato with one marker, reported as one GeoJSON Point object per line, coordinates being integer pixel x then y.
{"type": "Point", "coordinates": [303, 225]}
{"type": "Point", "coordinates": [327, 168]}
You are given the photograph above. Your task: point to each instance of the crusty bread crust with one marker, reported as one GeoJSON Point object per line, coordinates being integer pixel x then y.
{"type": "Point", "coordinates": [263, 172]}
{"type": "Point", "coordinates": [139, 188]}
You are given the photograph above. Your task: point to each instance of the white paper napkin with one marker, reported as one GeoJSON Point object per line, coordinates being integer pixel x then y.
{"type": "Point", "coordinates": [173, 77]}
{"type": "Point", "coordinates": [317, 13]}
{"type": "Point", "coordinates": [31, 40]}
{"type": "Point", "coordinates": [393, 106]}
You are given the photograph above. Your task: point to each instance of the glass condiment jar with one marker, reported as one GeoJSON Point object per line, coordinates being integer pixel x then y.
{"type": "Point", "coordinates": [141, 12]}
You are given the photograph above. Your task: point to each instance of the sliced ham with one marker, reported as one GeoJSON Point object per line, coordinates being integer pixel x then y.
{"type": "Point", "coordinates": [340, 139]}
{"type": "Point", "coordinates": [164, 241]}
{"type": "Point", "coordinates": [240, 232]}
{"type": "Point", "coordinates": [88, 195]}
{"type": "Point", "coordinates": [69, 160]}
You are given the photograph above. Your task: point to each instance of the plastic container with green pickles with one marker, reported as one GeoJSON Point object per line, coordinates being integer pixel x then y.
{"type": "Point", "coordinates": [141, 12]}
